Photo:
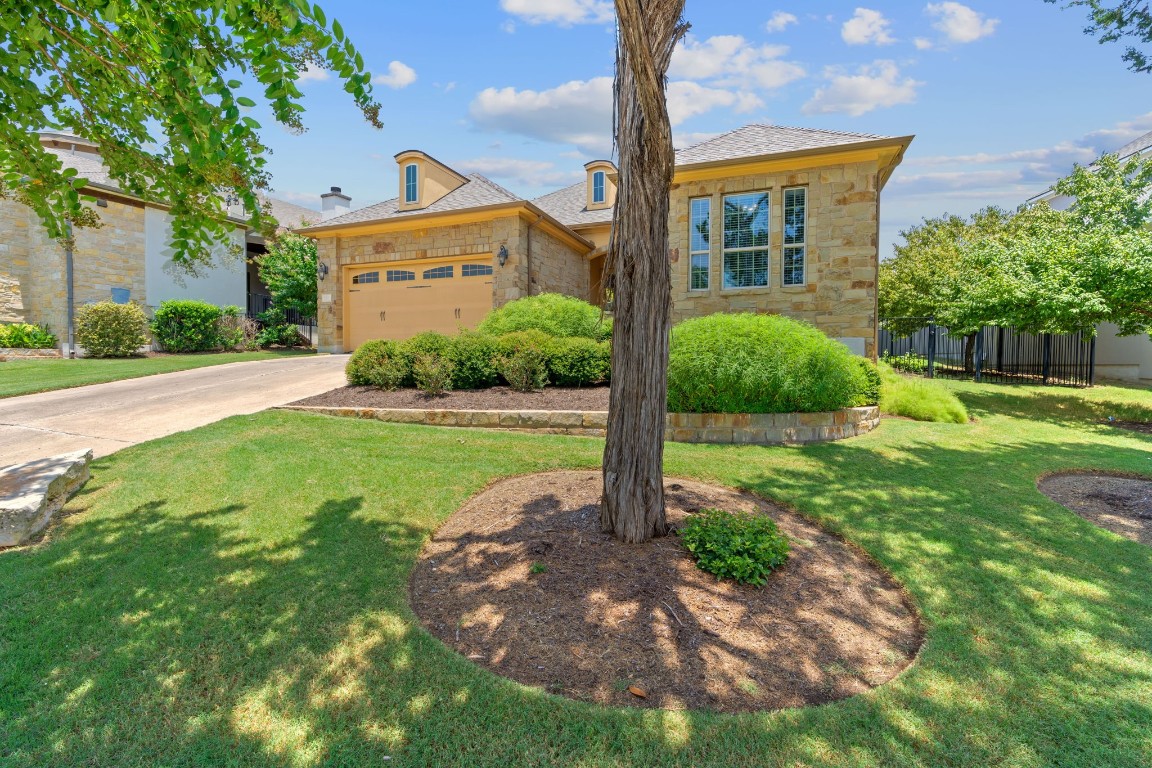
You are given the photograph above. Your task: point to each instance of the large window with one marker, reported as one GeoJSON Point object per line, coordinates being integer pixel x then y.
{"type": "Point", "coordinates": [410, 186]}
{"type": "Point", "coordinates": [598, 187]}
{"type": "Point", "coordinates": [438, 273]}
{"type": "Point", "coordinates": [747, 230]}
{"type": "Point", "coordinates": [795, 235]}
{"type": "Point", "coordinates": [699, 238]}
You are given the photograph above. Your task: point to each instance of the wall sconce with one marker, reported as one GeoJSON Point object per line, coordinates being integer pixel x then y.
{"type": "Point", "coordinates": [502, 256]}
{"type": "Point", "coordinates": [321, 270]}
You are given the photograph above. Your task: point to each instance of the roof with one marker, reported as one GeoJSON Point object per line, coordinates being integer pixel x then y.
{"type": "Point", "coordinates": [569, 207]}
{"type": "Point", "coordinates": [1135, 146]}
{"type": "Point", "coordinates": [758, 139]}
{"type": "Point", "coordinates": [290, 216]}
{"type": "Point", "coordinates": [87, 166]}
{"type": "Point", "coordinates": [477, 192]}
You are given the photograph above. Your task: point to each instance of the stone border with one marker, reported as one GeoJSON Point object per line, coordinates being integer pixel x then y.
{"type": "Point", "coordinates": [8, 352]}
{"type": "Point", "coordinates": [739, 428]}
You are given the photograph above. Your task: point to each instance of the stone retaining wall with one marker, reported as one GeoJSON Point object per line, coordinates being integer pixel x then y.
{"type": "Point", "coordinates": [9, 352]}
{"type": "Point", "coordinates": [740, 428]}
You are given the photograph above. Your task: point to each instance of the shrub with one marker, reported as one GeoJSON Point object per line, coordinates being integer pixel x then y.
{"type": "Point", "coordinates": [911, 362]}
{"type": "Point", "coordinates": [27, 336]}
{"type": "Point", "coordinates": [577, 362]}
{"type": "Point", "coordinates": [427, 343]}
{"type": "Point", "coordinates": [185, 325]}
{"type": "Point", "coordinates": [432, 373]}
{"type": "Point", "coordinates": [919, 399]}
{"type": "Point", "coordinates": [377, 363]}
{"type": "Point", "coordinates": [870, 394]}
{"type": "Point", "coordinates": [473, 356]}
{"type": "Point", "coordinates": [735, 545]}
{"type": "Point", "coordinates": [107, 329]}
{"type": "Point", "coordinates": [552, 313]}
{"type": "Point", "coordinates": [745, 363]}
{"type": "Point", "coordinates": [236, 330]}
{"type": "Point", "coordinates": [522, 359]}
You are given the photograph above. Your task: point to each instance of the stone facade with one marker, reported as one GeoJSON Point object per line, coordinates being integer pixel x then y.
{"type": "Point", "coordinates": [839, 296]}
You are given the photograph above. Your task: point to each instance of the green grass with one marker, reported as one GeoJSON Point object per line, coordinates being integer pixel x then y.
{"type": "Point", "coordinates": [918, 398]}
{"type": "Point", "coordinates": [236, 595]}
{"type": "Point", "coordinates": [23, 377]}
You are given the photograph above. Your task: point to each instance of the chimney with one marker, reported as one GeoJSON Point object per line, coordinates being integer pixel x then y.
{"type": "Point", "coordinates": [334, 203]}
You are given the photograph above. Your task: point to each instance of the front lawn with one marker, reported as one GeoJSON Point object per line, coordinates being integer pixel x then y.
{"type": "Point", "coordinates": [23, 377]}
{"type": "Point", "coordinates": [236, 595]}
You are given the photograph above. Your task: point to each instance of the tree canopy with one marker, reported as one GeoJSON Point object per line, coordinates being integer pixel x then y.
{"type": "Point", "coordinates": [1115, 21]}
{"type": "Point", "coordinates": [289, 271]}
{"type": "Point", "coordinates": [157, 86]}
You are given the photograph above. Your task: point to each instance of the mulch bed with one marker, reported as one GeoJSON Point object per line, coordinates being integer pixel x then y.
{"type": "Point", "coordinates": [1134, 426]}
{"type": "Point", "coordinates": [494, 399]}
{"type": "Point", "coordinates": [598, 617]}
{"type": "Point", "coordinates": [1119, 504]}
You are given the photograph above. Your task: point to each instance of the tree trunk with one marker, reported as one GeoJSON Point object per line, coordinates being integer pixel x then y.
{"type": "Point", "coordinates": [970, 353]}
{"type": "Point", "coordinates": [637, 272]}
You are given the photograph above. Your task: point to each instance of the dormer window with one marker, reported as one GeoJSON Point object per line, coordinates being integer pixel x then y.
{"type": "Point", "coordinates": [410, 186]}
{"type": "Point", "coordinates": [598, 187]}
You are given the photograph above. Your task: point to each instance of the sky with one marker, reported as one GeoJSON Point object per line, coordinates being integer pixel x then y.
{"type": "Point", "coordinates": [1002, 97]}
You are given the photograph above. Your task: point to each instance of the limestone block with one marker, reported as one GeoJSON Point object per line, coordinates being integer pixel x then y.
{"type": "Point", "coordinates": [31, 493]}
{"type": "Point", "coordinates": [400, 415]}
{"type": "Point", "coordinates": [596, 419]}
{"type": "Point", "coordinates": [567, 419]}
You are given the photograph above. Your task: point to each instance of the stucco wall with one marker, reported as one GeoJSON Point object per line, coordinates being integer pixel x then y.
{"type": "Point", "coordinates": [224, 283]}
{"type": "Point", "coordinates": [1122, 357]}
{"type": "Point", "coordinates": [842, 257]}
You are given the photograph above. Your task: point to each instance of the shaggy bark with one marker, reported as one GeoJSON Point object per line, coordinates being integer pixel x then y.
{"type": "Point", "coordinates": [637, 272]}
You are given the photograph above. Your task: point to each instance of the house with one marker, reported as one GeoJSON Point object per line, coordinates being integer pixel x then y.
{"type": "Point", "coordinates": [797, 210]}
{"type": "Point", "coordinates": [1127, 358]}
{"type": "Point", "coordinates": [129, 258]}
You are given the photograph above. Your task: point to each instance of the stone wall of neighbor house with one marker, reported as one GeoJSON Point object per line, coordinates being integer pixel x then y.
{"type": "Point", "coordinates": [839, 297]}
{"type": "Point", "coordinates": [14, 262]}
{"type": "Point", "coordinates": [556, 266]}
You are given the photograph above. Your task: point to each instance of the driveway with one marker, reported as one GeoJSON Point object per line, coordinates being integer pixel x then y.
{"type": "Point", "coordinates": [108, 417]}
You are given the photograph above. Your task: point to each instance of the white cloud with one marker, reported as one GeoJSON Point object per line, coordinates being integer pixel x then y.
{"type": "Point", "coordinates": [508, 27]}
{"type": "Point", "coordinates": [922, 43]}
{"type": "Point", "coordinates": [400, 75]}
{"type": "Point", "coordinates": [687, 99]}
{"type": "Point", "coordinates": [780, 21]}
{"type": "Point", "coordinates": [313, 73]}
{"type": "Point", "coordinates": [530, 173]}
{"type": "Point", "coordinates": [959, 23]}
{"type": "Point", "coordinates": [562, 12]}
{"type": "Point", "coordinates": [306, 199]}
{"type": "Point", "coordinates": [867, 26]}
{"type": "Point", "coordinates": [875, 85]}
{"type": "Point", "coordinates": [730, 61]}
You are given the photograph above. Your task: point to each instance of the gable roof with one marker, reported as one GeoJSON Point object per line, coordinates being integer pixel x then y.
{"type": "Point", "coordinates": [289, 215]}
{"type": "Point", "coordinates": [1136, 146]}
{"type": "Point", "coordinates": [569, 206]}
{"type": "Point", "coordinates": [757, 140]}
{"type": "Point", "coordinates": [477, 192]}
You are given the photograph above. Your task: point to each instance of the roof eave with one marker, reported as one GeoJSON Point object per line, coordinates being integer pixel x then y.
{"type": "Point", "coordinates": [854, 146]}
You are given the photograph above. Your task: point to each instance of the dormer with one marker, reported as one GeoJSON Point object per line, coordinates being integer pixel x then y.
{"type": "Point", "coordinates": [601, 185]}
{"type": "Point", "coordinates": [424, 180]}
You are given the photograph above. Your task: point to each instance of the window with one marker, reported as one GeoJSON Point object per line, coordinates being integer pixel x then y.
{"type": "Point", "coordinates": [475, 270]}
{"type": "Point", "coordinates": [598, 187]}
{"type": "Point", "coordinates": [438, 273]}
{"type": "Point", "coordinates": [410, 191]}
{"type": "Point", "coordinates": [400, 275]}
{"type": "Point", "coordinates": [747, 226]}
{"type": "Point", "coordinates": [366, 277]}
{"type": "Point", "coordinates": [795, 234]}
{"type": "Point", "coordinates": [699, 238]}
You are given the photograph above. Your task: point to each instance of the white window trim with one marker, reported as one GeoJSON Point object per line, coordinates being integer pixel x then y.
{"type": "Point", "coordinates": [415, 184]}
{"type": "Point", "coordinates": [802, 244]}
{"type": "Point", "coordinates": [748, 249]}
{"type": "Point", "coordinates": [707, 252]}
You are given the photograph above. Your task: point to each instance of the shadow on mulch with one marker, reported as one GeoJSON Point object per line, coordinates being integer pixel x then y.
{"type": "Point", "coordinates": [1116, 503]}
{"type": "Point", "coordinates": [522, 581]}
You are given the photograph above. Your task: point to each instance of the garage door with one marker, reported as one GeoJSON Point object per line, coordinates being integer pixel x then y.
{"type": "Point", "coordinates": [400, 299]}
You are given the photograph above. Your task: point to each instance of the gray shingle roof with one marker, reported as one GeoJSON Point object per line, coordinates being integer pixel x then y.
{"type": "Point", "coordinates": [87, 166]}
{"type": "Point", "coordinates": [477, 192]}
{"type": "Point", "coordinates": [290, 216]}
{"type": "Point", "coordinates": [1135, 147]}
{"type": "Point", "coordinates": [569, 206]}
{"type": "Point", "coordinates": [756, 140]}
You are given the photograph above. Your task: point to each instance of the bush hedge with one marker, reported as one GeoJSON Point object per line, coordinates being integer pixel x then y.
{"type": "Point", "coordinates": [578, 362]}
{"type": "Point", "coordinates": [552, 313]}
{"type": "Point", "coordinates": [107, 329]}
{"type": "Point", "coordinates": [186, 325]}
{"type": "Point", "coordinates": [377, 363]}
{"type": "Point", "coordinates": [27, 336]}
{"type": "Point", "coordinates": [746, 363]}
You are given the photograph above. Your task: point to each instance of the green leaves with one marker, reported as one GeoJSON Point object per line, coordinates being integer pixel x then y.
{"type": "Point", "coordinates": [735, 545]}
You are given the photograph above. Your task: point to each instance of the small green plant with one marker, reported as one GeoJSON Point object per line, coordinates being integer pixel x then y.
{"type": "Point", "coordinates": [474, 357]}
{"type": "Point", "coordinates": [184, 325]}
{"type": "Point", "coordinates": [909, 362]}
{"type": "Point", "coordinates": [872, 382]}
{"type": "Point", "coordinates": [278, 332]}
{"type": "Point", "coordinates": [735, 545]}
{"type": "Point", "coordinates": [538, 568]}
{"type": "Point", "coordinates": [427, 343]}
{"type": "Point", "coordinates": [919, 399]}
{"type": "Point", "coordinates": [108, 329]}
{"type": "Point", "coordinates": [237, 331]}
{"type": "Point", "coordinates": [525, 370]}
{"type": "Point", "coordinates": [27, 336]}
{"type": "Point", "coordinates": [432, 373]}
{"type": "Point", "coordinates": [377, 363]}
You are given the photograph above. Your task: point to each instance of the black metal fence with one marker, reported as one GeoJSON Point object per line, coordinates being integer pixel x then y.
{"type": "Point", "coordinates": [992, 354]}
{"type": "Point", "coordinates": [258, 304]}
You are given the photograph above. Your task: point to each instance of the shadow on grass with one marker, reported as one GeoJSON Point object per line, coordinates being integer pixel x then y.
{"type": "Point", "coordinates": [1062, 407]}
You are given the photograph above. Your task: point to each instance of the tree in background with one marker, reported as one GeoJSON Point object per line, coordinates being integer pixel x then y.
{"type": "Point", "coordinates": [637, 271]}
{"type": "Point", "coordinates": [289, 271]}
{"type": "Point", "coordinates": [151, 83]}
{"type": "Point", "coordinates": [1115, 21]}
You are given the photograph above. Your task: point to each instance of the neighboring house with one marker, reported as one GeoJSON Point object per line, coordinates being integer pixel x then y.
{"type": "Point", "coordinates": [129, 258]}
{"type": "Point", "coordinates": [1117, 357]}
{"type": "Point", "coordinates": [796, 209]}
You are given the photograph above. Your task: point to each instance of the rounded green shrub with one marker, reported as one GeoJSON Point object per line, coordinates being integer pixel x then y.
{"type": "Point", "coordinates": [377, 363]}
{"type": "Point", "coordinates": [186, 325]}
{"type": "Point", "coordinates": [735, 545]}
{"type": "Point", "coordinates": [473, 356]}
{"type": "Point", "coordinates": [423, 344]}
{"type": "Point", "coordinates": [870, 394]}
{"type": "Point", "coordinates": [108, 329]}
{"type": "Point", "coordinates": [746, 363]}
{"type": "Point", "coordinates": [552, 313]}
{"type": "Point", "coordinates": [522, 359]}
{"type": "Point", "coordinates": [578, 362]}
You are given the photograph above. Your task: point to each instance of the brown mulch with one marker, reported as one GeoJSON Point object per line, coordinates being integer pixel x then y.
{"type": "Point", "coordinates": [494, 399]}
{"type": "Point", "coordinates": [600, 616]}
{"type": "Point", "coordinates": [1122, 505]}
{"type": "Point", "coordinates": [1134, 426]}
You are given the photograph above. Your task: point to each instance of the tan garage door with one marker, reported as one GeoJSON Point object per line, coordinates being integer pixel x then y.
{"type": "Point", "coordinates": [400, 299]}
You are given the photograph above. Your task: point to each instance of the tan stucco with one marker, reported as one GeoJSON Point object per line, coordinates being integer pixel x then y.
{"type": "Point", "coordinates": [609, 170]}
{"type": "Point", "coordinates": [433, 179]}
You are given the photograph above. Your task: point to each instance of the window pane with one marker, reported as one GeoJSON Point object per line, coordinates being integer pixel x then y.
{"type": "Point", "coordinates": [699, 272]}
{"type": "Point", "coordinates": [410, 184]}
{"type": "Point", "coordinates": [400, 275]}
{"type": "Point", "coordinates": [795, 215]}
{"type": "Point", "coordinates": [746, 220]}
{"type": "Point", "coordinates": [700, 224]}
{"type": "Point", "coordinates": [598, 187]}
{"type": "Point", "coordinates": [366, 277]}
{"type": "Point", "coordinates": [438, 273]}
{"type": "Point", "coordinates": [745, 269]}
{"type": "Point", "coordinates": [475, 270]}
{"type": "Point", "coordinates": [794, 265]}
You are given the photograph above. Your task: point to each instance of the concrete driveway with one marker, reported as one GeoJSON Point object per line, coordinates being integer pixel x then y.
{"type": "Point", "coordinates": [108, 417]}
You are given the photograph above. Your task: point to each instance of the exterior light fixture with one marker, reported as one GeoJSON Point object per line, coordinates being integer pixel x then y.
{"type": "Point", "coordinates": [502, 256]}
{"type": "Point", "coordinates": [321, 270]}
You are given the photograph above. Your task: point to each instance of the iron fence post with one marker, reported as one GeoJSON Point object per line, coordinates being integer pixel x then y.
{"type": "Point", "coordinates": [931, 349]}
{"type": "Point", "coordinates": [1047, 357]}
{"type": "Point", "coordinates": [1092, 363]}
{"type": "Point", "coordinates": [979, 354]}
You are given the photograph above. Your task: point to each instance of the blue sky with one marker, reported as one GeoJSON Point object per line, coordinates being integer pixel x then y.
{"type": "Point", "coordinates": [1003, 97]}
